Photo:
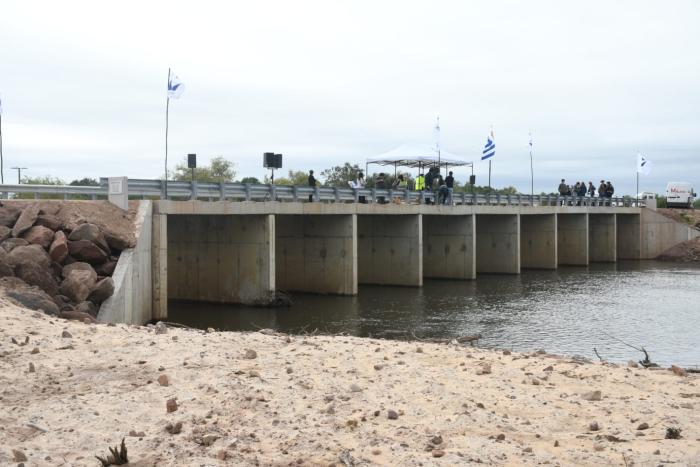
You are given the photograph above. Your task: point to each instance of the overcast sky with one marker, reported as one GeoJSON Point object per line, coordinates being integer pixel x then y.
{"type": "Point", "coordinates": [83, 85]}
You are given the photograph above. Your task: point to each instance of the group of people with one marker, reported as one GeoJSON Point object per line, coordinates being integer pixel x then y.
{"type": "Point", "coordinates": [605, 189]}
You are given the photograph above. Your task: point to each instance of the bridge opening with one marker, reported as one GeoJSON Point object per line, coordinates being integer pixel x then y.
{"type": "Point", "coordinates": [449, 247]}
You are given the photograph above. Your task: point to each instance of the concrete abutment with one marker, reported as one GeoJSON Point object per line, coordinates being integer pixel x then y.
{"type": "Point", "coordinates": [498, 243]}
{"type": "Point", "coordinates": [572, 239]}
{"type": "Point", "coordinates": [629, 236]}
{"type": "Point", "coordinates": [538, 241]}
{"type": "Point", "coordinates": [603, 238]}
{"type": "Point", "coordinates": [449, 247]}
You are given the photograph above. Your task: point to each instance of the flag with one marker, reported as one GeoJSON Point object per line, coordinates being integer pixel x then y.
{"type": "Point", "coordinates": [530, 134]}
{"type": "Point", "coordinates": [490, 147]}
{"type": "Point", "coordinates": [175, 87]}
{"type": "Point", "coordinates": [643, 165]}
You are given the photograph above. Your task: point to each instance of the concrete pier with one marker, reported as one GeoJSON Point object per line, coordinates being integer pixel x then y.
{"type": "Point", "coordinates": [603, 238]}
{"type": "Point", "coordinates": [390, 249]}
{"type": "Point", "coordinates": [572, 239]}
{"type": "Point", "coordinates": [449, 247]}
{"type": "Point", "coordinates": [538, 241]}
{"type": "Point", "coordinates": [316, 253]}
{"type": "Point", "coordinates": [227, 259]}
{"type": "Point", "coordinates": [498, 243]}
{"type": "Point", "coordinates": [629, 236]}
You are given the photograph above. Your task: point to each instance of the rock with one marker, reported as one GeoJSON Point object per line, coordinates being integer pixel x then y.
{"type": "Point", "coordinates": [598, 447]}
{"type": "Point", "coordinates": [91, 233]}
{"type": "Point", "coordinates": [485, 369]}
{"type": "Point", "coordinates": [678, 371]}
{"type": "Point", "coordinates": [592, 396]}
{"type": "Point", "coordinates": [12, 243]}
{"type": "Point", "coordinates": [378, 367]}
{"type": "Point", "coordinates": [78, 284]}
{"type": "Point", "coordinates": [161, 328]}
{"type": "Point", "coordinates": [438, 453]}
{"type": "Point", "coordinates": [437, 439]}
{"type": "Point", "coordinates": [33, 274]}
{"type": "Point", "coordinates": [49, 221]}
{"type": "Point", "coordinates": [355, 388]}
{"type": "Point", "coordinates": [106, 269]}
{"type": "Point", "coordinates": [501, 437]}
{"type": "Point", "coordinates": [19, 456]}
{"type": "Point", "coordinates": [208, 440]}
{"type": "Point", "coordinates": [549, 368]}
{"type": "Point", "coordinates": [507, 352]}
{"type": "Point", "coordinates": [171, 405]}
{"type": "Point", "coordinates": [39, 235]}
{"type": "Point", "coordinates": [163, 380]}
{"type": "Point", "coordinates": [67, 335]}
{"type": "Point", "coordinates": [686, 405]}
{"type": "Point", "coordinates": [527, 449]}
{"type": "Point", "coordinates": [221, 455]}
{"type": "Point", "coordinates": [118, 241]}
{"type": "Point", "coordinates": [174, 429]}
{"type": "Point", "coordinates": [643, 426]}
{"type": "Point", "coordinates": [77, 316]}
{"type": "Point", "coordinates": [87, 308]}
{"type": "Point", "coordinates": [26, 219]}
{"type": "Point", "coordinates": [31, 297]}
{"type": "Point", "coordinates": [673, 433]}
{"type": "Point", "coordinates": [137, 434]}
{"type": "Point", "coordinates": [29, 254]}
{"type": "Point", "coordinates": [8, 216]}
{"type": "Point", "coordinates": [31, 368]}
{"type": "Point", "coordinates": [556, 443]}
{"type": "Point", "coordinates": [290, 370]}
{"type": "Point", "coordinates": [6, 269]}
{"type": "Point", "coordinates": [85, 250]}
{"type": "Point", "coordinates": [251, 354]}
{"type": "Point", "coordinates": [35, 350]}
{"type": "Point", "coordinates": [392, 415]}
{"type": "Point", "coordinates": [632, 364]}
{"type": "Point", "coordinates": [593, 426]}
{"type": "Point", "coordinates": [102, 291]}
{"type": "Point", "coordinates": [210, 330]}
{"type": "Point", "coordinates": [77, 266]}
{"type": "Point", "coordinates": [59, 247]}
{"type": "Point", "coordinates": [5, 233]}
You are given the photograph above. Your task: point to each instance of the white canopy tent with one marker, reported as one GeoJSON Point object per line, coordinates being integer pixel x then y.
{"type": "Point", "coordinates": [417, 155]}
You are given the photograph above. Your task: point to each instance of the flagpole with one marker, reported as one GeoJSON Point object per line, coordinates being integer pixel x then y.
{"type": "Point", "coordinates": [167, 110]}
{"type": "Point", "coordinates": [637, 196]}
{"type": "Point", "coordinates": [489, 176]}
{"type": "Point", "coordinates": [2, 169]}
{"type": "Point", "coordinates": [532, 174]}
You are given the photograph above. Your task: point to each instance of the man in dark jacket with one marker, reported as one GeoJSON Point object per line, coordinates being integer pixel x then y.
{"type": "Point", "coordinates": [312, 183]}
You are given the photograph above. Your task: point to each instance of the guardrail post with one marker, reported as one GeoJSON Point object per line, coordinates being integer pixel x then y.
{"type": "Point", "coordinates": [247, 191]}
{"type": "Point", "coordinates": [222, 191]}
{"type": "Point", "coordinates": [374, 195]}
{"type": "Point", "coordinates": [273, 193]}
{"type": "Point", "coordinates": [498, 199]}
{"type": "Point", "coordinates": [163, 185]}
{"type": "Point", "coordinates": [317, 194]}
{"type": "Point", "coordinates": [520, 201]}
{"type": "Point", "coordinates": [295, 193]}
{"type": "Point", "coordinates": [337, 194]}
{"type": "Point", "coordinates": [93, 197]}
{"type": "Point", "coordinates": [407, 196]}
{"type": "Point", "coordinates": [193, 189]}
{"type": "Point", "coordinates": [357, 195]}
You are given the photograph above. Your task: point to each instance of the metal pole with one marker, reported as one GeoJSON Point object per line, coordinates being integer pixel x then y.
{"type": "Point", "coordinates": [532, 178]}
{"type": "Point", "coordinates": [2, 170]}
{"type": "Point", "coordinates": [489, 176]}
{"type": "Point", "coordinates": [167, 109]}
{"type": "Point", "coordinates": [637, 196]}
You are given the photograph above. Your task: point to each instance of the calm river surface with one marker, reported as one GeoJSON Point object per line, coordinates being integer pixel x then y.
{"type": "Point", "coordinates": [567, 311]}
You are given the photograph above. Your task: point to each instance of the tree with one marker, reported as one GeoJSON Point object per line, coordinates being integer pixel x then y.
{"type": "Point", "coordinates": [340, 175]}
{"type": "Point", "coordinates": [294, 178]}
{"type": "Point", "coordinates": [218, 171]}
{"type": "Point", "coordinates": [46, 180]}
{"type": "Point", "coordinates": [251, 180]}
{"type": "Point", "coordinates": [85, 182]}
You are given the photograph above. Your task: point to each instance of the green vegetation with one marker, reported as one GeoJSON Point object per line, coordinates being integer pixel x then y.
{"type": "Point", "coordinates": [340, 175]}
{"type": "Point", "coordinates": [218, 171]}
{"type": "Point", "coordinates": [295, 177]}
{"type": "Point", "coordinates": [251, 180]}
{"type": "Point", "coordinates": [660, 201]}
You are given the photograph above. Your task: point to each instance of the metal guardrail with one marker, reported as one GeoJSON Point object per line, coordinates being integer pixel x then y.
{"type": "Point", "coordinates": [254, 192]}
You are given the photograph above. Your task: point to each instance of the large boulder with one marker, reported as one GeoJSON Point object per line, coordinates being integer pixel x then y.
{"type": "Point", "coordinates": [6, 268]}
{"type": "Point", "coordinates": [102, 291]}
{"type": "Point", "coordinates": [85, 250]}
{"type": "Point", "coordinates": [11, 243]}
{"type": "Point", "coordinates": [59, 247]}
{"type": "Point", "coordinates": [78, 284]}
{"type": "Point", "coordinates": [8, 215]}
{"type": "Point", "coordinates": [5, 233]}
{"type": "Point", "coordinates": [39, 235]}
{"type": "Point", "coordinates": [30, 297]}
{"type": "Point", "coordinates": [77, 266]}
{"type": "Point", "coordinates": [26, 219]}
{"type": "Point", "coordinates": [49, 221]}
{"type": "Point", "coordinates": [106, 269]}
{"type": "Point", "coordinates": [119, 241]}
{"type": "Point", "coordinates": [89, 232]}
{"type": "Point", "coordinates": [33, 265]}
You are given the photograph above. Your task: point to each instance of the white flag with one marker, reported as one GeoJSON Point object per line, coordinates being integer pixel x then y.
{"type": "Point", "coordinates": [175, 87]}
{"type": "Point", "coordinates": [643, 165]}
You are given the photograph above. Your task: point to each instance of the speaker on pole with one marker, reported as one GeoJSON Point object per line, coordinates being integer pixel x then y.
{"type": "Point", "coordinates": [472, 179]}
{"type": "Point", "coordinates": [191, 161]}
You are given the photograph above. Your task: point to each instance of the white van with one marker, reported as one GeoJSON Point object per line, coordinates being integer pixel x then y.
{"type": "Point", "coordinates": [679, 195]}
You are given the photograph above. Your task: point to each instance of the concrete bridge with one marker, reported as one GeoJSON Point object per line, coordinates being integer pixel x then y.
{"type": "Point", "coordinates": [244, 252]}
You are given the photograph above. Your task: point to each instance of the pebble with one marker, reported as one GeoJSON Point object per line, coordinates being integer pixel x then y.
{"type": "Point", "coordinates": [137, 434]}
{"type": "Point", "coordinates": [592, 396]}
{"type": "Point", "coordinates": [484, 370]}
{"type": "Point", "coordinates": [290, 370]}
{"type": "Point", "coordinates": [593, 426]}
{"type": "Point", "coordinates": [35, 350]}
{"type": "Point", "coordinates": [632, 364]}
{"type": "Point", "coordinates": [19, 456]}
{"type": "Point", "coordinates": [376, 452]}
{"type": "Point", "coordinates": [163, 380]}
{"type": "Point", "coordinates": [66, 334]}
{"type": "Point", "coordinates": [686, 405]}
{"type": "Point", "coordinates": [678, 370]}
{"type": "Point", "coordinates": [643, 426]}
{"type": "Point", "coordinates": [31, 367]}
{"type": "Point", "coordinates": [250, 354]}
{"type": "Point", "coordinates": [210, 330]}
{"type": "Point", "coordinates": [507, 352]}
{"type": "Point", "coordinates": [598, 447]}
{"type": "Point", "coordinates": [419, 350]}
{"type": "Point", "coordinates": [437, 439]}
{"type": "Point", "coordinates": [392, 415]}
{"type": "Point", "coordinates": [221, 455]}
{"type": "Point", "coordinates": [549, 368]}
{"type": "Point", "coordinates": [527, 449]}
{"type": "Point", "coordinates": [378, 367]}
{"type": "Point", "coordinates": [438, 453]}
{"type": "Point", "coordinates": [501, 437]}
{"type": "Point", "coordinates": [161, 368]}
{"type": "Point", "coordinates": [161, 328]}
{"type": "Point", "coordinates": [556, 443]}
{"type": "Point", "coordinates": [174, 429]}
{"type": "Point", "coordinates": [171, 405]}
{"type": "Point", "coordinates": [355, 388]}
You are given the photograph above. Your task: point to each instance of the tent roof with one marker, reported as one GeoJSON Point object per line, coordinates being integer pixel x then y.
{"type": "Point", "coordinates": [413, 155]}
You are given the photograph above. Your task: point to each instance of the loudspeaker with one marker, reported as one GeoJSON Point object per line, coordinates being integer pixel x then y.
{"type": "Point", "coordinates": [272, 160]}
{"type": "Point", "coordinates": [472, 179]}
{"type": "Point", "coordinates": [191, 161]}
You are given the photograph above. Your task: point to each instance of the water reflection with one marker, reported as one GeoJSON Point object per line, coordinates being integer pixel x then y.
{"type": "Point", "coordinates": [569, 311]}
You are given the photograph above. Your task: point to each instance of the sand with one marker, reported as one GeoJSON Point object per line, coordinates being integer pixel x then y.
{"type": "Point", "coordinates": [270, 399]}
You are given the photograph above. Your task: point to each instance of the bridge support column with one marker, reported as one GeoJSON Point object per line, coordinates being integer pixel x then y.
{"type": "Point", "coordinates": [449, 245]}
{"type": "Point", "coordinates": [538, 241]}
{"type": "Point", "coordinates": [159, 263]}
{"type": "Point", "coordinates": [316, 253]}
{"type": "Point", "coordinates": [498, 243]}
{"type": "Point", "coordinates": [572, 239]}
{"type": "Point", "coordinates": [603, 238]}
{"type": "Point", "coordinates": [629, 236]}
{"type": "Point", "coordinates": [390, 250]}
{"type": "Point", "coordinates": [220, 258]}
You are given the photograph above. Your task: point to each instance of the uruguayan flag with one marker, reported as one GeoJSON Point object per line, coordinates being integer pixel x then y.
{"type": "Point", "coordinates": [643, 165]}
{"type": "Point", "coordinates": [490, 148]}
{"type": "Point", "coordinates": [175, 87]}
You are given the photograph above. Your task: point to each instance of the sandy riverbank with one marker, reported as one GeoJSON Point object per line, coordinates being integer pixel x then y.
{"type": "Point", "coordinates": [265, 399]}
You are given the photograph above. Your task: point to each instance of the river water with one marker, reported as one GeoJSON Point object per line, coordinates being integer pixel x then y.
{"type": "Point", "coordinates": [568, 311]}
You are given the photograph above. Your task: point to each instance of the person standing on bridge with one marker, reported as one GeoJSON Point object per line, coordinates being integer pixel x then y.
{"type": "Point", "coordinates": [601, 189]}
{"type": "Point", "coordinates": [312, 183]}
{"type": "Point", "coordinates": [360, 184]}
{"type": "Point", "coordinates": [450, 183]}
{"type": "Point", "coordinates": [591, 189]}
